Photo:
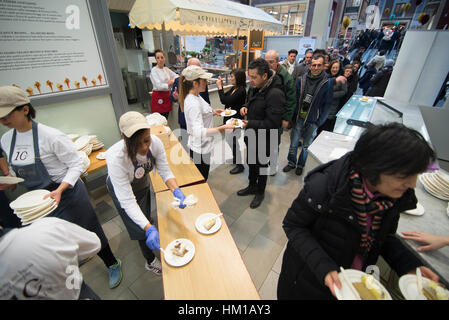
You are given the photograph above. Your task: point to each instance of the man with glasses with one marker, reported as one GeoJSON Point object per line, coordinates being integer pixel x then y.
{"type": "Point", "coordinates": [314, 92]}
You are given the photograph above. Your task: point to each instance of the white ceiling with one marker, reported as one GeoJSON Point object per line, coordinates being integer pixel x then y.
{"type": "Point", "coordinates": [120, 5]}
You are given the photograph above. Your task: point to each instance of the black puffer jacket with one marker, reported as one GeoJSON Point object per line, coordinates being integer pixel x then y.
{"type": "Point", "coordinates": [265, 109]}
{"type": "Point", "coordinates": [379, 82]}
{"type": "Point", "coordinates": [323, 234]}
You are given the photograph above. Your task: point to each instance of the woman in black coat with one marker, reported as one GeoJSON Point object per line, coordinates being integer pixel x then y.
{"type": "Point", "coordinates": [348, 212]}
{"type": "Point", "coordinates": [379, 81]}
{"type": "Point", "coordinates": [234, 98]}
{"type": "Point", "coordinates": [364, 82]}
{"type": "Point", "coordinates": [340, 89]}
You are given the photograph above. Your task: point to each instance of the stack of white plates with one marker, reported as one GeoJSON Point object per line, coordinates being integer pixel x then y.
{"type": "Point", "coordinates": [436, 183]}
{"type": "Point", "coordinates": [31, 206]}
{"type": "Point", "coordinates": [96, 144]}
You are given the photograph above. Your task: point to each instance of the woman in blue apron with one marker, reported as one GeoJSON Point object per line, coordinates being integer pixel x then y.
{"type": "Point", "coordinates": [47, 159]}
{"type": "Point", "coordinates": [129, 162]}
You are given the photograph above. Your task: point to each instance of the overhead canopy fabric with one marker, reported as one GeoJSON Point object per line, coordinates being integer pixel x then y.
{"type": "Point", "coordinates": [202, 17]}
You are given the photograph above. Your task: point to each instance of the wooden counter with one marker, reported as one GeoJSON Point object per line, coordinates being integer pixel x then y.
{"type": "Point", "coordinates": [96, 164]}
{"type": "Point", "coordinates": [185, 171]}
{"type": "Point", "coordinates": [217, 270]}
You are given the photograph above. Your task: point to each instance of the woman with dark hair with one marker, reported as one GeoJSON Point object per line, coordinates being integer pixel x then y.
{"type": "Point", "coordinates": [129, 162]}
{"type": "Point", "coordinates": [348, 211]}
{"type": "Point", "coordinates": [234, 99]}
{"type": "Point", "coordinates": [335, 70]}
{"type": "Point", "coordinates": [162, 79]}
{"type": "Point", "coordinates": [199, 116]}
{"type": "Point", "coordinates": [47, 159]}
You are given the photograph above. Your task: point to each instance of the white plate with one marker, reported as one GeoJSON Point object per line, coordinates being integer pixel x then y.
{"type": "Point", "coordinates": [409, 287]}
{"type": "Point", "coordinates": [98, 147]}
{"type": "Point", "coordinates": [203, 218]}
{"type": "Point", "coordinates": [435, 182]}
{"type": "Point", "coordinates": [10, 180]}
{"type": "Point", "coordinates": [30, 199]}
{"type": "Point", "coordinates": [443, 176]}
{"type": "Point", "coordinates": [419, 211]}
{"type": "Point", "coordinates": [228, 115]}
{"type": "Point", "coordinates": [345, 292]}
{"type": "Point", "coordinates": [423, 179]}
{"type": "Point", "coordinates": [29, 212]}
{"type": "Point", "coordinates": [82, 142]}
{"type": "Point", "coordinates": [41, 215]}
{"type": "Point", "coordinates": [176, 261]}
{"type": "Point", "coordinates": [101, 156]}
{"type": "Point", "coordinates": [240, 125]}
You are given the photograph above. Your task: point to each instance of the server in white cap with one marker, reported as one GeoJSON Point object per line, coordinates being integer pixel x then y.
{"type": "Point", "coordinates": [47, 159]}
{"type": "Point", "coordinates": [129, 162]}
{"type": "Point", "coordinates": [199, 116]}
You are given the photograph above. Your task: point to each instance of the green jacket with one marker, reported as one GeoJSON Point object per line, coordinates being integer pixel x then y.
{"type": "Point", "coordinates": [290, 93]}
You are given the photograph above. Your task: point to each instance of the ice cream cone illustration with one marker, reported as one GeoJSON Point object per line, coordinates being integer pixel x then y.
{"type": "Point", "coordinates": [50, 84]}
{"type": "Point", "coordinates": [100, 78]}
{"type": "Point", "coordinates": [94, 82]}
{"type": "Point", "coordinates": [30, 91]}
{"type": "Point", "coordinates": [37, 85]}
{"type": "Point", "coordinates": [67, 82]}
{"type": "Point", "coordinates": [77, 84]}
{"type": "Point", "coordinates": [60, 87]}
{"type": "Point", "coordinates": [85, 80]}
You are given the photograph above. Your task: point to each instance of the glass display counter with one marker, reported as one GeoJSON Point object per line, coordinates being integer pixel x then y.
{"type": "Point", "coordinates": [360, 112]}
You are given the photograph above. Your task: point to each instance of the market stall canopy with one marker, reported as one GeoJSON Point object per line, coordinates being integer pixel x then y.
{"type": "Point", "coordinates": [202, 17]}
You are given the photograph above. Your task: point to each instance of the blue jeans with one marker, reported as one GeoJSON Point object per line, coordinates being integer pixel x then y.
{"type": "Point", "coordinates": [308, 134]}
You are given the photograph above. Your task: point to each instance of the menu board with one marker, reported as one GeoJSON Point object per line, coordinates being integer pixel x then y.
{"type": "Point", "coordinates": [49, 47]}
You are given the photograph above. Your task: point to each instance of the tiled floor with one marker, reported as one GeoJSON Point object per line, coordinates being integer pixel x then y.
{"type": "Point", "coordinates": [257, 232]}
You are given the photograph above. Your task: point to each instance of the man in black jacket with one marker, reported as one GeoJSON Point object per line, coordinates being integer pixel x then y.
{"type": "Point", "coordinates": [348, 212]}
{"type": "Point", "coordinates": [264, 109]}
{"type": "Point", "coordinates": [314, 92]}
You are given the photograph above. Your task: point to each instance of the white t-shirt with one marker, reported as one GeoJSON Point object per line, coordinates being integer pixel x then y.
{"type": "Point", "coordinates": [58, 153]}
{"type": "Point", "coordinates": [199, 116]}
{"type": "Point", "coordinates": [40, 261]}
{"type": "Point", "coordinates": [160, 77]}
{"type": "Point", "coordinates": [121, 172]}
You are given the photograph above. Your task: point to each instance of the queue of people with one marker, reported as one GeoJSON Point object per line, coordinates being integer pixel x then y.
{"type": "Point", "coordinates": [345, 215]}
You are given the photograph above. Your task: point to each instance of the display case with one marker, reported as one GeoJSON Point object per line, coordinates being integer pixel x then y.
{"type": "Point", "coordinates": [360, 112]}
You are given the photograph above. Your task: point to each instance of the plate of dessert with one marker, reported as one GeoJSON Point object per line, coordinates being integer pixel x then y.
{"type": "Point", "coordinates": [228, 112]}
{"type": "Point", "coordinates": [408, 284]}
{"type": "Point", "coordinates": [208, 223]}
{"type": "Point", "coordinates": [237, 123]}
{"type": "Point", "coordinates": [179, 252]}
{"type": "Point", "coordinates": [365, 285]}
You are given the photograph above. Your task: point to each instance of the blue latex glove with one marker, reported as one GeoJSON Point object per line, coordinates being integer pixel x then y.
{"type": "Point", "coordinates": [179, 195]}
{"type": "Point", "coordinates": [152, 238]}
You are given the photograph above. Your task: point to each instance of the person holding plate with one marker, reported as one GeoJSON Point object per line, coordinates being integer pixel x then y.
{"type": "Point", "coordinates": [348, 212]}
{"type": "Point", "coordinates": [234, 99]}
{"type": "Point", "coordinates": [47, 159]}
{"type": "Point", "coordinates": [199, 116]}
{"type": "Point", "coordinates": [129, 162]}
